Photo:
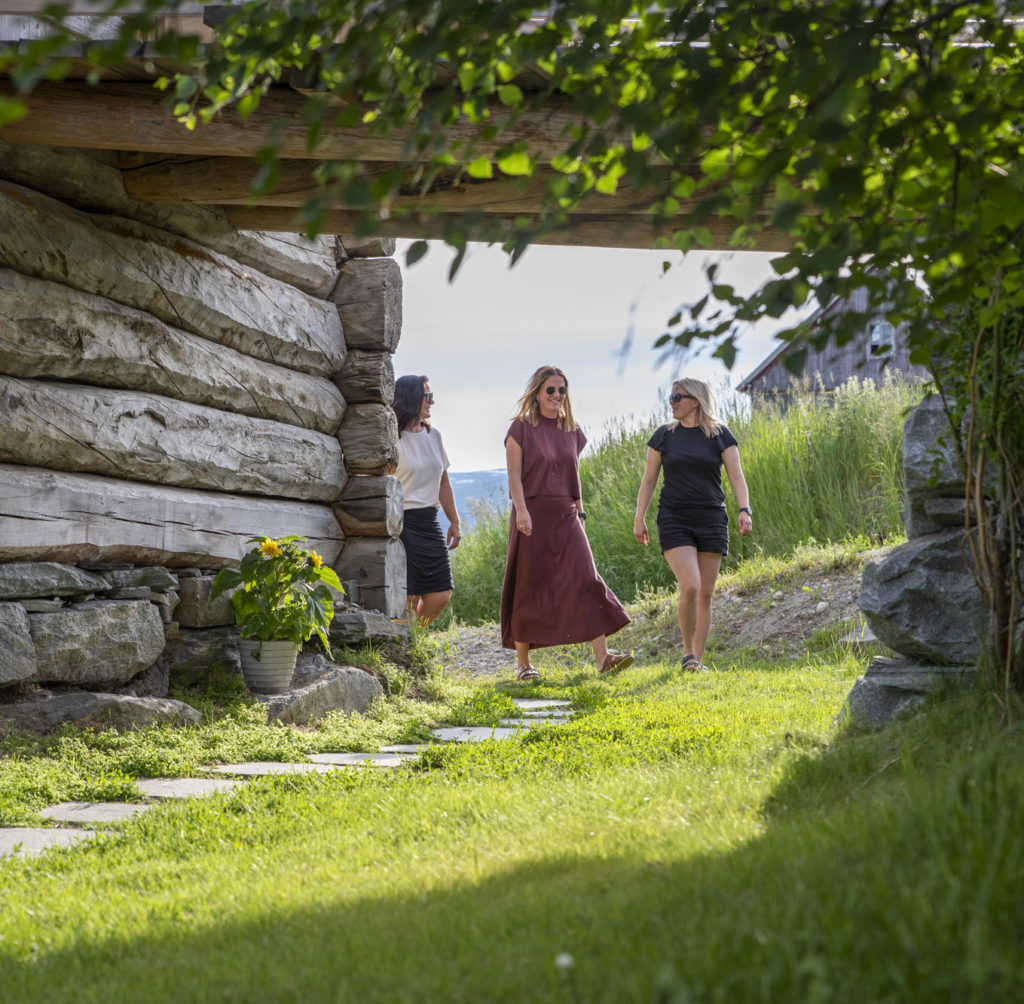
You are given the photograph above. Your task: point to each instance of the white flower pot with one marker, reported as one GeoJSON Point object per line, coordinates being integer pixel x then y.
{"type": "Point", "coordinates": [267, 666]}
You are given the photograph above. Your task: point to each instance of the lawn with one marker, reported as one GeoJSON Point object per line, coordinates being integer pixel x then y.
{"type": "Point", "coordinates": [709, 838]}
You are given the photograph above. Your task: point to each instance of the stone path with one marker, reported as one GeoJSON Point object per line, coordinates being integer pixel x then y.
{"type": "Point", "coordinates": [75, 817]}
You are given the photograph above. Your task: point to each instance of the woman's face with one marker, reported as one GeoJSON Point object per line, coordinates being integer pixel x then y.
{"type": "Point", "coordinates": [552, 395]}
{"type": "Point", "coordinates": [428, 400]}
{"type": "Point", "coordinates": [686, 407]}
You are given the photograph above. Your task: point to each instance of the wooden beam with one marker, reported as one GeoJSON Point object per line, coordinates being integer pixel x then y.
{"type": "Point", "coordinates": [96, 8]}
{"type": "Point", "coordinates": [583, 230]}
{"type": "Point", "coordinates": [128, 115]}
{"type": "Point", "coordinates": [228, 180]}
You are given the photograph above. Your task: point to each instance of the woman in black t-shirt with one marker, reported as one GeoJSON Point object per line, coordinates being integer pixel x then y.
{"type": "Point", "coordinates": [693, 525]}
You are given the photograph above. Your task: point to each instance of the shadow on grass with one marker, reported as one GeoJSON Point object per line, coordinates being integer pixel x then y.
{"type": "Point", "coordinates": [913, 893]}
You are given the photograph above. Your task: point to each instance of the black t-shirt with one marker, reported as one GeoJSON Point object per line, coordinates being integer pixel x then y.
{"type": "Point", "coordinates": [692, 464]}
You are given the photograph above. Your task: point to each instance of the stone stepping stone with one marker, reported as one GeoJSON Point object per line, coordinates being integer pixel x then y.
{"type": "Point", "coordinates": [528, 723]}
{"type": "Point", "coordinates": [263, 768]}
{"type": "Point", "coordinates": [474, 733]}
{"type": "Point", "coordinates": [92, 812]}
{"type": "Point", "coordinates": [361, 759]}
{"type": "Point", "coordinates": [183, 787]}
{"type": "Point", "coordinates": [536, 703]}
{"type": "Point", "coordinates": [552, 714]}
{"type": "Point", "coordinates": [405, 748]}
{"type": "Point", "coordinates": [35, 840]}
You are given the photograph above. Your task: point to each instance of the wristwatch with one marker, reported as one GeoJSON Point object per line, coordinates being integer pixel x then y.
{"type": "Point", "coordinates": [747, 510]}
{"type": "Point", "coordinates": [581, 514]}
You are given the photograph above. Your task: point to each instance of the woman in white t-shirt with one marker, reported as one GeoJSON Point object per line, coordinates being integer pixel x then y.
{"type": "Point", "coordinates": [423, 470]}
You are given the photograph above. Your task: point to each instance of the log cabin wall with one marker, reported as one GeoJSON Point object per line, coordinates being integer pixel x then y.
{"type": "Point", "coordinates": [171, 386]}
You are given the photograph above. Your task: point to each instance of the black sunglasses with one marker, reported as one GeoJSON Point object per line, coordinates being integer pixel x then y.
{"type": "Point", "coordinates": [555, 390]}
{"type": "Point", "coordinates": [429, 398]}
{"type": "Point", "coordinates": [676, 398]}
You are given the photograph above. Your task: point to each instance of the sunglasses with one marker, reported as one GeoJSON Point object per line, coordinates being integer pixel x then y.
{"type": "Point", "coordinates": [429, 398]}
{"type": "Point", "coordinates": [676, 398]}
{"type": "Point", "coordinates": [561, 391]}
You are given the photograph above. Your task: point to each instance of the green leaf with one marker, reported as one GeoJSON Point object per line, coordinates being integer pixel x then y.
{"type": "Point", "coordinates": [510, 95]}
{"type": "Point", "coordinates": [416, 251]}
{"type": "Point", "coordinates": [515, 163]}
{"type": "Point", "coordinates": [480, 168]}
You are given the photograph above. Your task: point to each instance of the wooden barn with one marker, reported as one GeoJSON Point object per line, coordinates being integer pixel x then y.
{"type": "Point", "coordinates": [878, 349]}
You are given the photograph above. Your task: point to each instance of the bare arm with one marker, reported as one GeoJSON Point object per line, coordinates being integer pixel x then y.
{"type": "Point", "coordinates": [514, 463]}
{"type": "Point", "coordinates": [643, 500]}
{"type": "Point", "coordinates": [738, 483]}
{"type": "Point", "coordinates": [446, 496]}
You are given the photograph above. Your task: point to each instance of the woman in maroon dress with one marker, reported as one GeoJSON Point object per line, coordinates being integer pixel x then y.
{"type": "Point", "coordinates": [552, 594]}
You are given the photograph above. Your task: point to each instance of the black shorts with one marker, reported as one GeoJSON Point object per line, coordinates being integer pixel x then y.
{"type": "Point", "coordinates": [705, 529]}
{"type": "Point", "coordinates": [428, 567]}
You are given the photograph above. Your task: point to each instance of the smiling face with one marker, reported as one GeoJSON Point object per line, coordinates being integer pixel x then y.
{"type": "Point", "coordinates": [551, 395]}
{"type": "Point", "coordinates": [686, 410]}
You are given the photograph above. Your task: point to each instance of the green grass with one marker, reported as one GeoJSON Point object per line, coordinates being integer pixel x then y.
{"type": "Point", "coordinates": [824, 469]}
{"type": "Point", "coordinates": [713, 838]}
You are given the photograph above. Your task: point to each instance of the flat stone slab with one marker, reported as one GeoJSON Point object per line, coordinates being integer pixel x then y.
{"type": "Point", "coordinates": [359, 759]}
{"type": "Point", "coordinates": [552, 714]}
{"type": "Point", "coordinates": [35, 840]}
{"type": "Point", "coordinates": [183, 787]}
{"type": "Point", "coordinates": [92, 812]}
{"type": "Point", "coordinates": [536, 703]}
{"type": "Point", "coordinates": [405, 748]}
{"type": "Point", "coordinates": [262, 768]}
{"type": "Point", "coordinates": [474, 733]}
{"type": "Point", "coordinates": [529, 723]}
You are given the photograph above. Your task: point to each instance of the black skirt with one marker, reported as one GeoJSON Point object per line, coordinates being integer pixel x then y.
{"type": "Point", "coordinates": [429, 569]}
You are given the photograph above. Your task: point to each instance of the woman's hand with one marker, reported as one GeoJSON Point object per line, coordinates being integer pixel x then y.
{"type": "Point", "coordinates": [745, 523]}
{"type": "Point", "coordinates": [523, 522]}
{"type": "Point", "coordinates": [640, 532]}
{"type": "Point", "coordinates": [454, 535]}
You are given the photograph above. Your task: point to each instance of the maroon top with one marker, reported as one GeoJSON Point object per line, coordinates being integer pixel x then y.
{"type": "Point", "coordinates": [549, 457]}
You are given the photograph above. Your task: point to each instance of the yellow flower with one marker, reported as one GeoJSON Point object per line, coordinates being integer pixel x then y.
{"type": "Point", "coordinates": [271, 548]}
{"type": "Point", "coordinates": [316, 559]}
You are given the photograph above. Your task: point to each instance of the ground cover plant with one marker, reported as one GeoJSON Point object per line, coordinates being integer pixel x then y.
{"type": "Point", "coordinates": [700, 838]}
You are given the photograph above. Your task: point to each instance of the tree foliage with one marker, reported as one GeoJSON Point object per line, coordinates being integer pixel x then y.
{"type": "Point", "coordinates": [882, 136]}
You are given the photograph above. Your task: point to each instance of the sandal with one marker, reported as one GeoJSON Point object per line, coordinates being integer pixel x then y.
{"type": "Point", "coordinates": [614, 661]}
{"type": "Point", "coordinates": [691, 664]}
{"type": "Point", "coordinates": [526, 674]}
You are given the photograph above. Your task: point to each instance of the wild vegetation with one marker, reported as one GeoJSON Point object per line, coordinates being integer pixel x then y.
{"type": "Point", "coordinates": [822, 468]}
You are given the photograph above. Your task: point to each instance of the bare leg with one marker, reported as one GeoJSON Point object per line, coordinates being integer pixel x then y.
{"type": "Point", "coordinates": [710, 564]}
{"type": "Point", "coordinates": [600, 647]}
{"type": "Point", "coordinates": [686, 569]}
{"type": "Point", "coordinates": [431, 606]}
{"type": "Point", "coordinates": [522, 654]}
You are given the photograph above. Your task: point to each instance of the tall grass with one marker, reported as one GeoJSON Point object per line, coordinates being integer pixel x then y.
{"type": "Point", "coordinates": [823, 468]}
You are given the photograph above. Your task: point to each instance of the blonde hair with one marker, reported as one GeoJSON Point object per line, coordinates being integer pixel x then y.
{"type": "Point", "coordinates": [707, 416]}
{"type": "Point", "coordinates": [527, 408]}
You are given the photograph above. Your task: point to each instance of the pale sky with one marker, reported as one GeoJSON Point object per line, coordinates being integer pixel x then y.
{"type": "Point", "coordinates": [479, 338]}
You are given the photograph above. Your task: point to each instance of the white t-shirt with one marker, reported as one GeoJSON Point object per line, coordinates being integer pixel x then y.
{"type": "Point", "coordinates": [421, 462]}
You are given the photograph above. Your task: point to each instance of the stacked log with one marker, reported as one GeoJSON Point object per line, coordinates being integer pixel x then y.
{"type": "Point", "coordinates": [171, 387]}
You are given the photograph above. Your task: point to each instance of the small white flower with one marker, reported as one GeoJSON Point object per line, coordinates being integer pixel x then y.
{"type": "Point", "coordinates": [564, 961]}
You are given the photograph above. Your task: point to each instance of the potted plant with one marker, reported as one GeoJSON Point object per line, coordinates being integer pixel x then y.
{"type": "Point", "coordinates": [281, 599]}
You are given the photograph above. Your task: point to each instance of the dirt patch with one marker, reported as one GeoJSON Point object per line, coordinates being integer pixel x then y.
{"type": "Point", "coordinates": [779, 619]}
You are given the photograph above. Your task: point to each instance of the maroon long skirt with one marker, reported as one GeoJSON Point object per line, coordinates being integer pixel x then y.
{"type": "Point", "coordinates": [552, 594]}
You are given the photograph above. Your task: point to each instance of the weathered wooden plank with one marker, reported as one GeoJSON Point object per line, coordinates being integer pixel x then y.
{"type": "Point", "coordinates": [369, 437]}
{"type": "Point", "coordinates": [377, 564]}
{"type": "Point", "coordinates": [57, 516]}
{"type": "Point", "coordinates": [177, 280]}
{"type": "Point", "coordinates": [145, 437]}
{"type": "Point", "coordinates": [227, 180]}
{"type": "Point", "coordinates": [581, 230]}
{"type": "Point", "coordinates": [369, 300]}
{"type": "Point", "coordinates": [134, 116]}
{"type": "Point", "coordinates": [366, 247]}
{"type": "Point", "coordinates": [367, 378]}
{"type": "Point", "coordinates": [371, 507]}
{"type": "Point", "coordinates": [54, 331]}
